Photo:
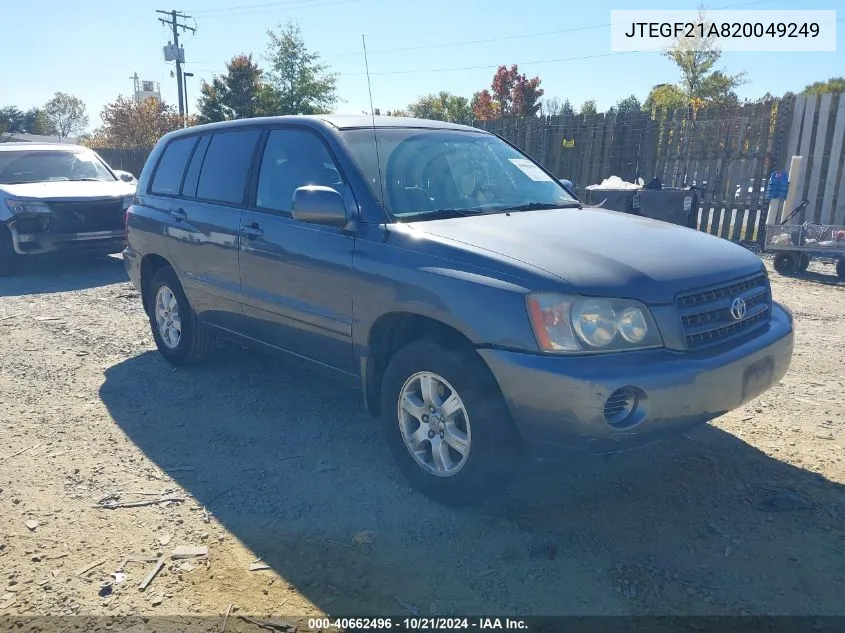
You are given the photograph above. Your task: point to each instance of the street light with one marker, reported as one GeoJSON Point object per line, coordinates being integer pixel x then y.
{"type": "Point", "coordinates": [185, 90]}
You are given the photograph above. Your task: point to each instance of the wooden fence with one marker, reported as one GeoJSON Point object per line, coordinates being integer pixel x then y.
{"type": "Point", "coordinates": [727, 153]}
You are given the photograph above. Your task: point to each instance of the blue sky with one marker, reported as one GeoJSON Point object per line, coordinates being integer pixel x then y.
{"type": "Point", "coordinates": [90, 48]}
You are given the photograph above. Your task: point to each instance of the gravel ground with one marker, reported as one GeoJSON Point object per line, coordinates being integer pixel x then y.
{"type": "Point", "coordinates": [269, 462]}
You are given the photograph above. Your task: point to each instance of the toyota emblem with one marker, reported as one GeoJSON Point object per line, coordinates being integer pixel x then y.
{"type": "Point", "coordinates": [738, 308]}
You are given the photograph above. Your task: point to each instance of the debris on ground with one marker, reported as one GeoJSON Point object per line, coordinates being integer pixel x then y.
{"type": "Point", "coordinates": [157, 568]}
{"type": "Point", "coordinates": [258, 566]}
{"type": "Point", "coordinates": [31, 525]}
{"type": "Point", "coordinates": [89, 567]}
{"type": "Point", "coordinates": [188, 551]}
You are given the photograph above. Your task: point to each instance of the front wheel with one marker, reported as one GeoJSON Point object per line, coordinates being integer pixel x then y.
{"type": "Point", "coordinates": [447, 424]}
{"type": "Point", "coordinates": [178, 334]}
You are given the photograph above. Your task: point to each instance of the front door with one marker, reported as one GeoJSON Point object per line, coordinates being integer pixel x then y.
{"type": "Point", "coordinates": [296, 278]}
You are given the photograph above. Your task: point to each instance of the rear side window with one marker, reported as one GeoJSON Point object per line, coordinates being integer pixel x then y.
{"type": "Point", "coordinates": [192, 176]}
{"type": "Point", "coordinates": [226, 165]}
{"type": "Point", "coordinates": [171, 167]}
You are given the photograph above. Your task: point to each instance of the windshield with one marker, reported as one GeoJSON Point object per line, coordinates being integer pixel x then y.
{"type": "Point", "coordinates": [436, 173]}
{"type": "Point", "coordinates": [23, 166]}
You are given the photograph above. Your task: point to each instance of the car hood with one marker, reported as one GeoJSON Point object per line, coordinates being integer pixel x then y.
{"type": "Point", "coordinates": [68, 190]}
{"type": "Point", "coordinates": [599, 252]}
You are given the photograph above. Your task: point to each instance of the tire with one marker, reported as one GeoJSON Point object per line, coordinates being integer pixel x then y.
{"type": "Point", "coordinates": [786, 263]}
{"type": "Point", "coordinates": [804, 263]}
{"type": "Point", "coordinates": [181, 340]}
{"type": "Point", "coordinates": [10, 261]}
{"type": "Point", "coordinates": [493, 452]}
{"type": "Point", "coordinates": [840, 268]}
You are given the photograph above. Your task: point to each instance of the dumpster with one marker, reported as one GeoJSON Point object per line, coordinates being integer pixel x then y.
{"type": "Point", "coordinates": [621, 200]}
{"type": "Point", "coordinates": [677, 206]}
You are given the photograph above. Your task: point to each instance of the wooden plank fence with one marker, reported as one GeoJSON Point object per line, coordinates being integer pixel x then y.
{"type": "Point", "coordinates": [727, 153]}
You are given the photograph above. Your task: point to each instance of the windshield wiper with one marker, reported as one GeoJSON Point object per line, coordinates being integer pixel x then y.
{"type": "Point", "coordinates": [440, 214]}
{"type": "Point", "coordinates": [540, 206]}
{"type": "Point", "coordinates": [86, 180]}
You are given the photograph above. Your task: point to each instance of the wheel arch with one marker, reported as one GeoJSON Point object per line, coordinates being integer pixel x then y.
{"type": "Point", "coordinates": [391, 332]}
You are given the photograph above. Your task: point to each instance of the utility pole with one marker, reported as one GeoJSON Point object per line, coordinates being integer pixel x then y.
{"type": "Point", "coordinates": [135, 87]}
{"type": "Point", "coordinates": [175, 25]}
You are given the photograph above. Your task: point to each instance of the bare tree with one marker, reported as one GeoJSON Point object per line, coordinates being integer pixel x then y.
{"type": "Point", "coordinates": [66, 114]}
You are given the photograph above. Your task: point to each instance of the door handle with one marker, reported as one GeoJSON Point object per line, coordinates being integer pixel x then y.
{"type": "Point", "coordinates": [252, 231]}
{"type": "Point", "coordinates": [178, 214]}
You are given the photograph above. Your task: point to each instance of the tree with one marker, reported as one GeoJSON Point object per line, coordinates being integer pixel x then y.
{"type": "Point", "coordinates": [239, 94]}
{"type": "Point", "coordinates": [566, 108]}
{"type": "Point", "coordinates": [665, 97]}
{"type": "Point", "coordinates": [696, 57]}
{"type": "Point", "coordinates": [511, 94]}
{"type": "Point", "coordinates": [551, 107]}
{"type": "Point", "coordinates": [66, 114]}
{"type": "Point", "coordinates": [485, 107]}
{"type": "Point", "coordinates": [128, 123]}
{"type": "Point", "coordinates": [588, 107]}
{"type": "Point", "coordinates": [299, 83]}
{"type": "Point", "coordinates": [628, 105]}
{"type": "Point", "coordinates": [834, 84]}
{"type": "Point", "coordinates": [443, 106]}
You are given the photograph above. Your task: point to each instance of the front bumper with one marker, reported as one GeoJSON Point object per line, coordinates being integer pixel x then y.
{"type": "Point", "coordinates": [558, 402]}
{"type": "Point", "coordinates": [37, 243]}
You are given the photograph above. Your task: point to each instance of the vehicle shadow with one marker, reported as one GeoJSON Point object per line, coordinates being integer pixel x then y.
{"type": "Point", "coordinates": [63, 273]}
{"type": "Point", "coordinates": [292, 466]}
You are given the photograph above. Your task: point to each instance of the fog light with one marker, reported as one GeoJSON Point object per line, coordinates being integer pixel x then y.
{"type": "Point", "coordinates": [625, 407]}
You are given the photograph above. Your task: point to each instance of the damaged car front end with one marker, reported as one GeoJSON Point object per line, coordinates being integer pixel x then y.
{"type": "Point", "coordinates": [59, 197]}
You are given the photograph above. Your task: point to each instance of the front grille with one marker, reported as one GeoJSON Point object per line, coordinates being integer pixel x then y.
{"type": "Point", "coordinates": [85, 217]}
{"type": "Point", "coordinates": [706, 315]}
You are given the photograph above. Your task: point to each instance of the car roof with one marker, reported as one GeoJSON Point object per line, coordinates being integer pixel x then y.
{"type": "Point", "coordinates": [41, 147]}
{"type": "Point", "coordinates": [336, 121]}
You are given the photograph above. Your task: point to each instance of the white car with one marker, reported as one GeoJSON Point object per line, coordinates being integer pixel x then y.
{"type": "Point", "coordinates": [55, 197]}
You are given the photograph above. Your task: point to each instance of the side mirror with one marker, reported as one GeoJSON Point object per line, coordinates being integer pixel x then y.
{"type": "Point", "coordinates": [125, 176]}
{"type": "Point", "coordinates": [319, 205]}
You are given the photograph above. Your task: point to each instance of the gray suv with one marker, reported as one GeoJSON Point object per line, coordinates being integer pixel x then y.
{"type": "Point", "coordinates": [485, 315]}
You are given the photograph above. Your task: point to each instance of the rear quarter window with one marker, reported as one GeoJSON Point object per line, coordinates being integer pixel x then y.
{"type": "Point", "coordinates": [171, 167]}
{"type": "Point", "coordinates": [226, 166]}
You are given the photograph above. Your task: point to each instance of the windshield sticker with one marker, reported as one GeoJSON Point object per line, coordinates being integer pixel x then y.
{"type": "Point", "coordinates": [530, 169]}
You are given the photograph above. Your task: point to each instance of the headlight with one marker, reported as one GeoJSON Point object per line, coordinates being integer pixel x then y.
{"type": "Point", "coordinates": [22, 207]}
{"type": "Point", "coordinates": [567, 323]}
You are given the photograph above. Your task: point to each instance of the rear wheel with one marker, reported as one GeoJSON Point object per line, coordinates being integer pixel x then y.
{"type": "Point", "coordinates": [840, 268]}
{"type": "Point", "coordinates": [447, 424]}
{"type": "Point", "coordinates": [786, 263]}
{"type": "Point", "coordinates": [178, 334]}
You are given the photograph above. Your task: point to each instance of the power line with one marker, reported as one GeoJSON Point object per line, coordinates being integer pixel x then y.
{"type": "Point", "coordinates": [512, 37]}
{"type": "Point", "coordinates": [233, 13]}
{"type": "Point", "coordinates": [247, 7]}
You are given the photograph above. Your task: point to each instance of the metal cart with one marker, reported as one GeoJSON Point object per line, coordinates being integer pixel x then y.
{"type": "Point", "coordinates": [795, 245]}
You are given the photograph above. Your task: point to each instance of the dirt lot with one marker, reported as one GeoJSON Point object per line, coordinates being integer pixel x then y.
{"type": "Point", "coordinates": [746, 515]}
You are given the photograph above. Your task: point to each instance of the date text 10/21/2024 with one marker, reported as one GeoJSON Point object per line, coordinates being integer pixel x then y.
{"type": "Point", "coordinates": [416, 624]}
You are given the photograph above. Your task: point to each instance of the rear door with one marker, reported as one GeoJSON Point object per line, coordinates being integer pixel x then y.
{"type": "Point", "coordinates": [206, 222]}
{"type": "Point", "coordinates": [296, 278]}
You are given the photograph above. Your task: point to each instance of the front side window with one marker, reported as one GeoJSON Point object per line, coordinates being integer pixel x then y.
{"type": "Point", "coordinates": [226, 165]}
{"type": "Point", "coordinates": [23, 166]}
{"type": "Point", "coordinates": [418, 173]}
{"type": "Point", "coordinates": [293, 159]}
